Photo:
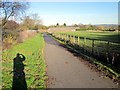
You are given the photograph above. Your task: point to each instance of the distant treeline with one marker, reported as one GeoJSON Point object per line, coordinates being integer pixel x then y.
{"type": "Point", "coordinates": [104, 27]}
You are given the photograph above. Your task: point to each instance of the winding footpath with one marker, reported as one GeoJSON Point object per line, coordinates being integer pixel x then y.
{"type": "Point", "coordinates": [67, 71]}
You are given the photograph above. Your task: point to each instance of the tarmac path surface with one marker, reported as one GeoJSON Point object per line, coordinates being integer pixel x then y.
{"type": "Point", "coordinates": [67, 71]}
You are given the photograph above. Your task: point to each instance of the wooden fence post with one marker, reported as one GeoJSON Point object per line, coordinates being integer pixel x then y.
{"type": "Point", "coordinates": [78, 40]}
{"type": "Point", "coordinates": [65, 37]}
{"type": "Point", "coordinates": [84, 40]}
{"type": "Point", "coordinates": [70, 39]}
{"type": "Point", "coordinates": [108, 46]}
{"type": "Point", "coordinates": [73, 39]}
{"type": "Point", "coordinates": [107, 51]}
{"type": "Point", "coordinates": [84, 44]}
{"type": "Point", "coordinates": [92, 46]}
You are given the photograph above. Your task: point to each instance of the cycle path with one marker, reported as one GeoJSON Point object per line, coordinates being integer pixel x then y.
{"type": "Point", "coordinates": [67, 71]}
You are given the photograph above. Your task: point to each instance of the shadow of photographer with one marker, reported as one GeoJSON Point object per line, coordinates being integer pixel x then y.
{"type": "Point", "coordinates": [19, 82]}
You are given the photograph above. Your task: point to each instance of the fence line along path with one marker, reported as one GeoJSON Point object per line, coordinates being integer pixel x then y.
{"type": "Point", "coordinates": [102, 50]}
{"type": "Point", "coordinates": [66, 71]}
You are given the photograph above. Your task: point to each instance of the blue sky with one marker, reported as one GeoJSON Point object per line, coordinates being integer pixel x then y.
{"type": "Point", "coordinates": [75, 12]}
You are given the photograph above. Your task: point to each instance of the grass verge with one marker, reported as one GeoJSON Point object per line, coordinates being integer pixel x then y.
{"type": "Point", "coordinates": [34, 64]}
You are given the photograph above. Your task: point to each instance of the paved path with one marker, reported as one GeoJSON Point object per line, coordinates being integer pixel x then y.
{"type": "Point", "coordinates": [67, 71]}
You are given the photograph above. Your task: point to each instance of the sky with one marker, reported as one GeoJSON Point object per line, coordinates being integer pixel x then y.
{"type": "Point", "coordinates": [71, 13]}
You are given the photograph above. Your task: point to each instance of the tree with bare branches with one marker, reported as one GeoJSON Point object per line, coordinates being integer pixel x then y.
{"type": "Point", "coordinates": [9, 9]}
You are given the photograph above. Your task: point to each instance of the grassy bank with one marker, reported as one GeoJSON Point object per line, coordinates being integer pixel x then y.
{"type": "Point", "coordinates": [34, 65]}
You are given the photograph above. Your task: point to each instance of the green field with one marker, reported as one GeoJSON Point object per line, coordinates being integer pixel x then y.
{"type": "Point", "coordinates": [34, 68]}
{"type": "Point", "coordinates": [100, 40]}
{"type": "Point", "coordinates": [107, 36]}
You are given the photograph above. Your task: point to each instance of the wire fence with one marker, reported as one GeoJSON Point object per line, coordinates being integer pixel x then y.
{"type": "Point", "coordinates": [105, 51]}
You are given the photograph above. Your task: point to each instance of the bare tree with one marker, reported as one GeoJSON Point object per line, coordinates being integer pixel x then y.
{"type": "Point", "coordinates": [27, 23]}
{"type": "Point", "coordinates": [9, 9]}
{"type": "Point", "coordinates": [36, 19]}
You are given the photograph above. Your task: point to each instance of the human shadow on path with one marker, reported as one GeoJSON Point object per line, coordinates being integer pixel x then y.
{"type": "Point", "coordinates": [19, 82]}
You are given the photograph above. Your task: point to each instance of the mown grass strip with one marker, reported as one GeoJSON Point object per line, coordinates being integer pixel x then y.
{"type": "Point", "coordinates": [34, 68]}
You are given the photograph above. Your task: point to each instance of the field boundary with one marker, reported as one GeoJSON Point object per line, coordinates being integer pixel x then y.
{"type": "Point", "coordinates": [104, 51]}
{"type": "Point", "coordinates": [100, 66]}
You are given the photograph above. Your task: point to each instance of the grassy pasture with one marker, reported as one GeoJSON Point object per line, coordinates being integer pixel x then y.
{"type": "Point", "coordinates": [107, 36]}
{"type": "Point", "coordinates": [100, 40]}
{"type": "Point", "coordinates": [34, 68]}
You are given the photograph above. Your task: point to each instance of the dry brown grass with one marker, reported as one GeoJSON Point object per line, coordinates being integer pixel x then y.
{"type": "Point", "coordinates": [25, 35]}
{"type": "Point", "coordinates": [22, 36]}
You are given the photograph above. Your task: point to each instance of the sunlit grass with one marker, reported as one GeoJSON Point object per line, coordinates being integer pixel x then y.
{"type": "Point", "coordinates": [100, 40]}
{"type": "Point", "coordinates": [107, 36]}
{"type": "Point", "coordinates": [34, 70]}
